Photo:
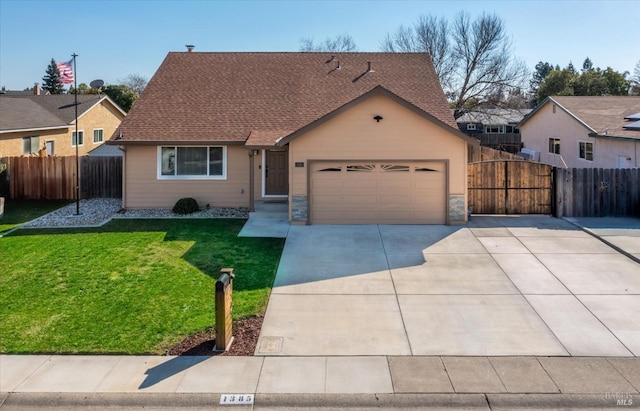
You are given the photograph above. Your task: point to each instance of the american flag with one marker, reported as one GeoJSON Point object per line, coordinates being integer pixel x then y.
{"type": "Point", "coordinates": [66, 72]}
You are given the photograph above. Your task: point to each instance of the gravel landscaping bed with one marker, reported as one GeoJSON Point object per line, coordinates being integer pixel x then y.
{"type": "Point", "coordinates": [98, 211]}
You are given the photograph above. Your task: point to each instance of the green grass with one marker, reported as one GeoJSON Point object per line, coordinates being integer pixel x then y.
{"type": "Point", "coordinates": [22, 211]}
{"type": "Point", "coordinates": [131, 286]}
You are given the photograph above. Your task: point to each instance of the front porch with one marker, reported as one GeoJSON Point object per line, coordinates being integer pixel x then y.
{"type": "Point", "coordinates": [270, 219]}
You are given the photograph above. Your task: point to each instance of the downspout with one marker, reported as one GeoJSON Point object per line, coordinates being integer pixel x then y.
{"type": "Point", "coordinates": [124, 175]}
{"type": "Point", "coordinates": [251, 181]}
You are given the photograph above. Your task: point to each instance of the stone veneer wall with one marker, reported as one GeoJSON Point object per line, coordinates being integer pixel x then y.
{"type": "Point", "coordinates": [457, 212]}
{"type": "Point", "coordinates": [299, 208]}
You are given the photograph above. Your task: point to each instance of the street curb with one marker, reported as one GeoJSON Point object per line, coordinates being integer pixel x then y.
{"type": "Point", "coordinates": [322, 401]}
{"type": "Point", "coordinates": [117, 400]}
{"type": "Point", "coordinates": [602, 401]}
{"type": "Point", "coordinates": [372, 401]}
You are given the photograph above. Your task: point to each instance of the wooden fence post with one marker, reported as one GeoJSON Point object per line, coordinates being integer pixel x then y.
{"type": "Point", "coordinates": [224, 308]}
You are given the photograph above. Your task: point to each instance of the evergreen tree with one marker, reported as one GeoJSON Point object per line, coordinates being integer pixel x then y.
{"type": "Point", "coordinates": [51, 81]}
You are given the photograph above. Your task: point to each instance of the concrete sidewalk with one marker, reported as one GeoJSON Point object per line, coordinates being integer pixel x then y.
{"type": "Point", "coordinates": [472, 381]}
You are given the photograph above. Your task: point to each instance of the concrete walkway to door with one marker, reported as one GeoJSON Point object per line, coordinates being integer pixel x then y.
{"type": "Point", "coordinates": [529, 285]}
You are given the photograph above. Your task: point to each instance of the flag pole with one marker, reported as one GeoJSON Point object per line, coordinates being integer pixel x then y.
{"type": "Point", "coordinates": [75, 86]}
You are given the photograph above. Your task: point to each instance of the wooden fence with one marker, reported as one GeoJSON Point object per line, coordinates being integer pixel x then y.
{"type": "Point", "coordinates": [482, 153]}
{"type": "Point", "coordinates": [596, 192]}
{"type": "Point", "coordinates": [54, 178]}
{"type": "Point", "coordinates": [510, 187]}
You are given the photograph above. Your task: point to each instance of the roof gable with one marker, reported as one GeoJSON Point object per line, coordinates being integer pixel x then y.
{"type": "Point", "coordinates": [227, 97]}
{"type": "Point", "coordinates": [378, 90]}
{"type": "Point", "coordinates": [604, 116]}
{"type": "Point", "coordinates": [47, 111]}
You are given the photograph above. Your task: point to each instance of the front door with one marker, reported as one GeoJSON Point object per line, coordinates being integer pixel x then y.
{"type": "Point", "coordinates": [276, 173]}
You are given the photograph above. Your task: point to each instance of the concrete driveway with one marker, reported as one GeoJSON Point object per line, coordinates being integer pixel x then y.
{"type": "Point", "coordinates": [530, 285]}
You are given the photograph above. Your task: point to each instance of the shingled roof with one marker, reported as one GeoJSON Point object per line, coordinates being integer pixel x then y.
{"type": "Point", "coordinates": [228, 97]}
{"type": "Point", "coordinates": [44, 111]}
{"type": "Point", "coordinates": [603, 115]}
{"type": "Point", "coordinates": [24, 114]}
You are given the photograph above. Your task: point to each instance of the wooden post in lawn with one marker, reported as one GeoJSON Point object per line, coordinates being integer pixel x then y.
{"type": "Point", "coordinates": [1, 206]}
{"type": "Point", "coordinates": [224, 307]}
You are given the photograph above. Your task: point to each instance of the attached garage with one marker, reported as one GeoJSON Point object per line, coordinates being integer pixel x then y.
{"type": "Point", "coordinates": [378, 192]}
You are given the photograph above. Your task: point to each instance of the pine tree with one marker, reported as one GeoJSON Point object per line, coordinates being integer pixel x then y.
{"type": "Point", "coordinates": [51, 82]}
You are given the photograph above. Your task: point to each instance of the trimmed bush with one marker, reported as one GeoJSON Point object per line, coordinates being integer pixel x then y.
{"type": "Point", "coordinates": [186, 206]}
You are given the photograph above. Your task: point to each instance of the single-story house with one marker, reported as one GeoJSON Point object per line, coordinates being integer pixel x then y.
{"type": "Point", "coordinates": [585, 131]}
{"type": "Point", "coordinates": [345, 138]}
{"type": "Point", "coordinates": [45, 124]}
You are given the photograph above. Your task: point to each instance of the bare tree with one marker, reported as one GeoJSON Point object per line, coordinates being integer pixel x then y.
{"type": "Point", "coordinates": [473, 59]}
{"type": "Point", "coordinates": [635, 80]}
{"type": "Point", "coordinates": [136, 82]}
{"type": "Point", "coordinates": [340, 43]}
{"type": "Point", "coordinates": [429, 34]}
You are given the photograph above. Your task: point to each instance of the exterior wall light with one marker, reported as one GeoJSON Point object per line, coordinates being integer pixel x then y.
{"type": "Point", "coordinates": [377, 118]}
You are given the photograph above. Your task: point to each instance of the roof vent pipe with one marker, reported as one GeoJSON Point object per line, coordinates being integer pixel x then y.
{"type": "Point", "coordinates": [369, 67]}
{"type": "Point", "coordinates": [189, 47]}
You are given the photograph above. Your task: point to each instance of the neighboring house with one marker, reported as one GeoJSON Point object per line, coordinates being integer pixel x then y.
{"type": "Point", "coordinates": [584, 132]}
{"type": "Point", "coordinates": [45, 124]}
{"type": "Point", "coordinates": [349, 138]}
{"type": "Point", "coordinates": [494, 127]}
{"type": "Point", "coordinates": [105, 150]}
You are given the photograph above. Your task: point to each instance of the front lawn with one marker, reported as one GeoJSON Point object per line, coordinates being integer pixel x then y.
{"type": "Point", "coordinates": [18, 212]}
{"type": "Point", "coordinates": [131, 286]}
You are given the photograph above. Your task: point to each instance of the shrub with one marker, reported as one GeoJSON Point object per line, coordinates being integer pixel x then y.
{"type": "Point", "coordinates": [186, 206]}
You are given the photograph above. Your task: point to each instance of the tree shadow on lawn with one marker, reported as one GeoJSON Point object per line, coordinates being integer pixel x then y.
{"type": "Point", "coordinates": [215, 245]}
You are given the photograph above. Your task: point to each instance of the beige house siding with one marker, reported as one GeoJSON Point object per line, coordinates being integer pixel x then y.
{"type": "Point", "coordinates": [400, 135]}
{"type": "Point", "coordinates": [102, 116]}
{"type": "Point", "coordinates": [143, 189]}
{"type": "Point", "coordinates": [11, 143]}
{"type": "Point", "coordinates": [546, 124]}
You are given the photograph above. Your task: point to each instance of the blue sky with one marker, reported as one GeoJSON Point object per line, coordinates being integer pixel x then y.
{"type": "Point", "coordinates": [116, 38]}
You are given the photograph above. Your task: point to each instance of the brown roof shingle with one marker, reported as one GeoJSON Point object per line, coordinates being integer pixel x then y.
{"type": "Point", "coordinates": [227, 97]}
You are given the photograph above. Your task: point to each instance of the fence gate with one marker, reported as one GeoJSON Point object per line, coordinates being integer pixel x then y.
{"type": "Point", "coordinates": [510, 187]}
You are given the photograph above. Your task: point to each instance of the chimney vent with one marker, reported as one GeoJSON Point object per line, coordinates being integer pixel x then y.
{"type": "Point", "coordinates": [189, 47]}
{"type": "Point", "coordinates": [36, 89]}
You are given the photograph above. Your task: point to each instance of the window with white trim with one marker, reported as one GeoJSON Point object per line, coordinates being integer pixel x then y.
{"type": "Point", "coordinates": [80, 138]}
{"type": "Point", "coordinates": [192, 162]}
{"type": "Point", "coordinates": [98, 135]}
{"type": "Point", "coordinates": [494, 129]}
{"type": "Point", "coordinates": [30, 145]}
{"type": "Point", "coordinates": [554, 145]}
{"type": "Point", "coordinates": [585, 150]}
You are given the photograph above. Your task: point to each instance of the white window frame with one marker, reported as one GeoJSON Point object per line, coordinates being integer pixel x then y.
{"type": "Point", "coordinates": [73, 133]}
{"type": "Point", "coordinates": [32, 139]}
{"type": "Point", "coordinates": [160, 176]}
{"type": "Point", "coordinates": [101, 136]}
{"type": "Point", "coordinates": [556, 142]}
{"type": "Point", "coordinates": [499, 127]}
{"type": "Point", "coordinates": [585, 150]}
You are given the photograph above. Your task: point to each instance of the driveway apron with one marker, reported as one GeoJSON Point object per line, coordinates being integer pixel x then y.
{"type": "Point", "coordinates": [498, 286]}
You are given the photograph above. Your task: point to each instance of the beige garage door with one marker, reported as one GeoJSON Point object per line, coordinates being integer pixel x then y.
{"type": "Point", "coordinates": [393, 192]}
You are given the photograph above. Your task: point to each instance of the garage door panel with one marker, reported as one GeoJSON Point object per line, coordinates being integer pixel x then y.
{"type": "Point", "coordinates": [378, 193]}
